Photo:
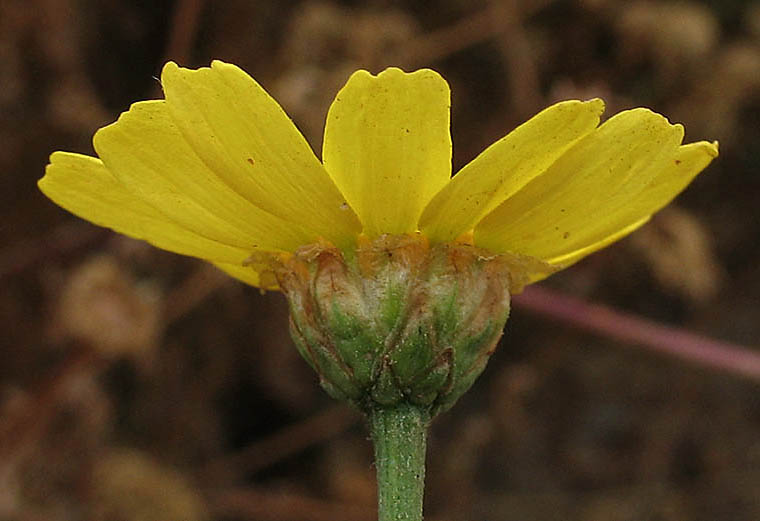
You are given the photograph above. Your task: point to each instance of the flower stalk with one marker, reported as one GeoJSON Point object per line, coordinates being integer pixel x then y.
{"type": "Point", "coordinates": [399, 434]}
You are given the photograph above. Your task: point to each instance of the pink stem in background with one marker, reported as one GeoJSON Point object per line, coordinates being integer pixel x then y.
{"type": "Point", "coordinates": [647, 333]}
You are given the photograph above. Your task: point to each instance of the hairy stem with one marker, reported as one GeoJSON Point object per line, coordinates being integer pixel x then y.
{"type": "Point", "coordinates": [399, 433]}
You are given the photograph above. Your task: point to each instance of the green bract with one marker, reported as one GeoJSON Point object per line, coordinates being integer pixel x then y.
{"type": "Point", "coordinates": [400, 320]}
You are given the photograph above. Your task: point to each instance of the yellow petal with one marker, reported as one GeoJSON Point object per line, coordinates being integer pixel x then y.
{"type": "Point", "coordinates": [387, 146]}
{"type": "Point", "coordinates": [248, 141]}
{"type": "Point", "coordinates": [243, 273]}
{"type": "Point", "coordinates": [146, 152]}
{"type": "Point", "coordinates": [624, 171]}
{"type": "Point", "coordinates": [506, 166]}
{"type": "Point", "coordinates": [83, 186]}
{"type": "Point", "coordinates": [571, 258]}
{"type": "Point", "coordinates": [568, 259]}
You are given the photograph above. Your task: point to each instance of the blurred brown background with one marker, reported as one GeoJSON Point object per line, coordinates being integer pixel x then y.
{"type": "Point", "coordinates": [138, 385]}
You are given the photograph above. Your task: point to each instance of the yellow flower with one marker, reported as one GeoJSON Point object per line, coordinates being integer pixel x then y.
{"type": "Point", "coordinates": [218, 171]}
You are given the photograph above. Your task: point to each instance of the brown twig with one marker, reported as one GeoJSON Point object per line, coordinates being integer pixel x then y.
{"type": "Point", "coordinates": [469, 31]}
{"type": "Point", "coordinates": [448, 40]}
{"type": "Point", "coordinates": [524, 97]}
{"type": "Point", "coordinates": [196, 288]}
{"type": "Point", "coordinates": [63, 240]}
{"type": "Point", "coordinates": [184, 25]}
{"type": "Point", "coordinates": [262, 505]}
{"type": "Point", "coordinates": [26, 427]}
{"type": "Point", "coordinates": [286, 442]}
{"type": "Point", "coordinates": [625, 327]}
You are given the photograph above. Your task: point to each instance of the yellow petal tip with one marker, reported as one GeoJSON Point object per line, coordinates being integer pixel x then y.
{"type": "Point", "coordinates": [222, 65]}
{"type": "Point", "coordinates": [711, 149]}
{"type": "Point", "coordinates": [391, 72]}
{"type": "Point", "coordinates": [169, 66]}
{"type": "Point", "coordinates": [597, 104]}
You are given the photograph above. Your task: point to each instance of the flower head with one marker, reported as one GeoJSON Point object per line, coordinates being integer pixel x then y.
{"type": "Point", "coordinates": [398, 275]}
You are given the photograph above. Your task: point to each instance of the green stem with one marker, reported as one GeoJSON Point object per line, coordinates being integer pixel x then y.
{"type": "Point", "coordinates": [399, 433]}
